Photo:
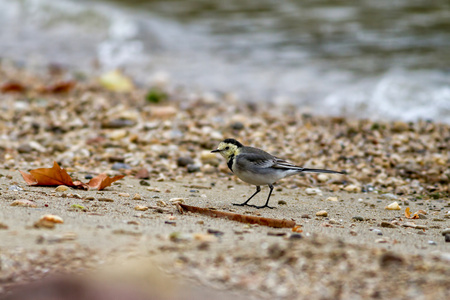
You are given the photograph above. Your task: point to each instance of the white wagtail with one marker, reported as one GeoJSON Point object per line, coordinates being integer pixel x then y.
{"type": "Point", "coordinates": [258, 167]}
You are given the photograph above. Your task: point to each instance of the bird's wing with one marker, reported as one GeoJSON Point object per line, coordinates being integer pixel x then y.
{"type": "Point", "coordinates": [248, 160]}
{"type": "Point", "coordinates": [284, 164]}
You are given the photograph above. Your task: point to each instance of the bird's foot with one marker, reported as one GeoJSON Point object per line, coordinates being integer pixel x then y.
{"type": "Point", "coordinates": [241, 204]}
{"type": "Point", "coordinates": [263, 206]}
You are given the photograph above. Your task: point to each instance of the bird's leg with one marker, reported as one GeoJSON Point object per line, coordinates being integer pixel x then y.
{"type": "Point", "coordinates": [258, 189]}
{"type": "Point", "coordinates": [267, 202]}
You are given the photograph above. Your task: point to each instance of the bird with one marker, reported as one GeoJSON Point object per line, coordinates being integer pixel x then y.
{"type": "Point", "coordinates": [257, 167]}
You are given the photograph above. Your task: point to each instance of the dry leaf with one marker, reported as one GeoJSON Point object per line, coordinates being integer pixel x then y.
{"type": "Point", "coordinates": [59, 87]}
{"type": "Point", "coordinates": [12, 86]}
{"type": "Point", "coordinates": [102, 181]}
{"type": "Point", "coordinates": [56, 176]}
{"type": "Point", "coordinates": [415, 216]}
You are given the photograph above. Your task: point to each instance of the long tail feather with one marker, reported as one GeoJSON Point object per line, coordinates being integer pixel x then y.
{"type": "Point", "coordinates": [323, 171]}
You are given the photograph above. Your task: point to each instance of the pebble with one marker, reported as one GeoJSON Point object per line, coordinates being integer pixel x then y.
{"type": "Point", "coordinates": [358, 218]}
{"type": "Point", "coordinates": [176, 200]}
{"type": "Point", "coordinates": [321, 213]}
{"type": "Point", "coordinates": [323, 177]}
{"type": "Point", "coordinates": [117, 166]}
{"type": "Point", "coordinates": [354, 233]}
{"type": "Point", "coordinates": [3, 226]}
{"type": "Point", "coordinates": [422, 216]}
{"type": "Point", "coordinates": [184, 161]}
{"type": "Point", "coordinates": [282, 202]}
{"type": "Point", "coordinates": [15, 188]}
{"type": "Point", "coordinates": [215, 232]}
{"type": "Point", "coordinates": [433, 243]}
{"type": "Point", "coordinates": [313, 191]}
{"type": "Point", "coordinates": [389, 196]}
{"type": "Point", "coordinates": [377, 231]}
{"type": "Point", "coordinates": [25, 148]}
{"type": "Point", "coordinates": [333, 199]}
{"type": "Point", "coordinates": [352, 188]}
{"type": "Point", "coordinates": [306, 216]}
{"type": "Point", "coordinates": [137, 197]}
{"type": "Point", "coordinates": [105, 199]}
{"type": "Point", "coordinates": [141, 208]}
{"type": "Point", "coordinates": [144, 183]}
{"type": "Point", "coordinates": [61, 188]}
{"type": "Point", "coordinates": [393, 206]}
{"type": "Point", "coordinates": [447, 238]}
{"type": "Point", "coordinates": [117, 123]}
{"type": "Point", "coordinates": [124, 195]}
{"type": "Point", "coordinates": [237, 126]}
{"type": "Point", "coordinates": [295, 236]}
{"type": "Point", "coordinates": [445, 231]}
{"type": "Point", "coordinates": [192, 168]}
{"type": "Point", "coordinates": [24, 203]}
{"type": "Point", "coordinates": [388, 225]}
{"type": "Point", "coordinates": [209, 158]}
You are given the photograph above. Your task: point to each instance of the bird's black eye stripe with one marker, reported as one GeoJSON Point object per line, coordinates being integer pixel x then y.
{"type": "Point", "coordinates": [227, 148]}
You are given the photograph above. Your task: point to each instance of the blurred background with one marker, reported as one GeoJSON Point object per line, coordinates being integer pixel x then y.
{"type": "Point", "coordinates": [383, 59]}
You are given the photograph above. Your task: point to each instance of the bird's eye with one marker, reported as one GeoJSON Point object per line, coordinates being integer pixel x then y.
{"type": "Point", "coordinates": [227, 148]}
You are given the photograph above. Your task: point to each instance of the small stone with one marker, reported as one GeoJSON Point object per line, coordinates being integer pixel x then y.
{"type": "Point", "coordinates": [3, 226]}
{"type": "Point", "coordinates": [445, 231]}
{"type": "Point", "coordinates": [105, 199]}
{"type": "Point", "coordinates": [117, 166]}
{"type": "Point", "coordinates": [377, 231]}
{"type": "Point", "coordinates": [25, 148]}
{"type": "Point", "coordinates": [89, 176]}
{"type": "Point", "coordinates": [48, 221]}
{"type": "Point", "coordinates": [192, 168]}
{"type": "Point", "coordinates": [237, 126]}
{"type": "Point", "coordinates": [282, 202]}
{"type": "Point", "coordinates": [117, 123]}
{"type": "Point", "coordinates": [389, 258]}
{"type": "Point", "coordinates": [321, 213]}
{"type": "Point", "coordinates": [323, 177]}
{"type": "Point", "coordinates": [137, 197]}
{"type": "Point", "coordinates": [176, 200]}
{"type": "Point", "coordinates": [433, 243]}
{"type": "Point", "coordinates": [124, 195]}
{"type": "Point", "coordinates": [295, 236]}
{"type": "Point", "coordinates": [358, 218]}
{"type": "Point", "coordinates": [24, 203]}
{"type": "Point", "coordinates": [393, 206]}
{"type": "Point", "coordinates": [215, 232]}
{"type": "Point", "coordinates": [142, 174]}
{"type": "Point", "coordinates": [389, 196]}
{"type": "Point", "coordinates": [209, 158]}
{"type": "Point", "coordinates": [306, 216]}
{"type": "Point", "coordinates": [15, 188]}
{"type": "Point", "coordinates": [332, 199]}
{"type": "Point", "coordinates": [184, 161]}
{"type": "Point", "coordinates": [352, 188]}
{"type": "Point", "coordinates": [144, 183]}
{"type": "Point", "coordinates": [422, 216]}
{"type": "Point", "coordinates": [141, 208]}
{"type": "Point", "coordinates": [116, 135]}
{"type": "Point", "coordinates": [447, 238]}
{"type": "Point", "coordinates": [354, 233]}
{"type": "Point", "coordinates": [313, 191]}
{"type": "Point", "coordinates": [388, 225]}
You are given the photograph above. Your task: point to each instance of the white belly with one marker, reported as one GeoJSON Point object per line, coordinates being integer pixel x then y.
{"type": "Point", "coordinates": [260, 179]}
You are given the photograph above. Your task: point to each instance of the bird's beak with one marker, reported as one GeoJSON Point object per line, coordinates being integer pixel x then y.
{"type": "Point", "coordinates": [215, 151]}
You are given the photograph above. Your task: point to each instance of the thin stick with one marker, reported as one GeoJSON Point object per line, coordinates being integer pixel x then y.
{"type": "Point", "coordinates": [276, 223]}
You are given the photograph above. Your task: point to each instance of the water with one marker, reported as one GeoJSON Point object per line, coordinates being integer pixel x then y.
{"type": "Point", "coordinates": [384, 59]}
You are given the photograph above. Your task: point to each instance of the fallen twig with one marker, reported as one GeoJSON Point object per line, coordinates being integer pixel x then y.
{"type": "Point", "coordinates": [276, 223]}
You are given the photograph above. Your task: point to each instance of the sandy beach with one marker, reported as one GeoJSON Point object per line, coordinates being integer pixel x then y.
{"type": "Point", "coordinates": [131, 230]}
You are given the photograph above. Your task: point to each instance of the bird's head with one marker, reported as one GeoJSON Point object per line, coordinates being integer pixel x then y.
{"type": "Point", "coordinates": [228, 148]}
